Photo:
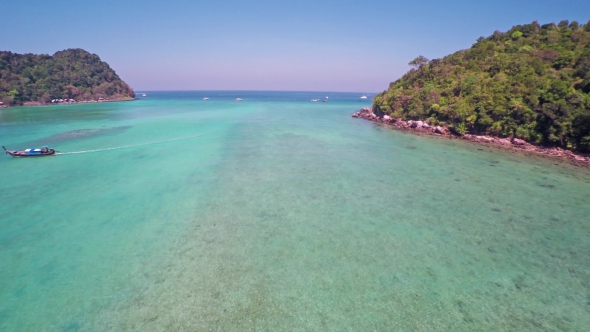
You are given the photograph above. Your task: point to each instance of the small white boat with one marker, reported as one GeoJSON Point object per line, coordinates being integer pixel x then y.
{"type": "Point", "coordinates": [205, 98]}
{"type": "Point", "coordinates": [325, 100]}
{"type": "Point", "coordinates": [363, 97]}
{"type": "Point", "coordinates": [143, 95]}
{"type": "Point", "coordinates": [238, 99]}
{"type": "Point", "coordinates": [315, 100]}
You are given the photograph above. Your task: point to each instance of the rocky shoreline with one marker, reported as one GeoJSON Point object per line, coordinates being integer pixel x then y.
{"type": "Point", "coordinates": [513, 144]}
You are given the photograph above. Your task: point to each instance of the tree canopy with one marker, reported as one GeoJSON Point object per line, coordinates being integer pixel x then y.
{"type": "Point", "coordinates": [72, 74]}
{"type": "Point", "coordinates": [531, 82]}
{"type": "Point", "coordinates": [419, 61]}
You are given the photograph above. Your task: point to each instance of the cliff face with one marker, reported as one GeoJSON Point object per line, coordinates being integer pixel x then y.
{"type": "Point", "coordinates": [70, 74]}
{"type": "Point", "coordinates": [531, 82]}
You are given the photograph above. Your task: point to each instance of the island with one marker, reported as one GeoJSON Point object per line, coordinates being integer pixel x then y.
{"type": "Point", "coordinates": [68, 76]}
{"type": "Point", "coordinates": [529, 87]}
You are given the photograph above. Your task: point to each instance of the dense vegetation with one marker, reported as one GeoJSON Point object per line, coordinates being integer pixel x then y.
{"type": "Point", "coordinates": [532, 82]}
{"type": "Point", "coordinates": [73, 74]}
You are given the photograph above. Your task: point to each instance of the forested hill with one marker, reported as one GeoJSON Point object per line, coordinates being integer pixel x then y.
{"type": "Point", "coordinates": [72, 74]}
{"type": "Point", "coordinates": [531, 82]}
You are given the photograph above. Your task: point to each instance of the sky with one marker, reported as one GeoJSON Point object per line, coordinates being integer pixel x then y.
{"type": "Point", "coordinates": [344, 45]}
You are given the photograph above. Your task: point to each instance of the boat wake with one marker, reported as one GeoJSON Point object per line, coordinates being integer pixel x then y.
{"type": "Point", "coordinates": [128, 146]}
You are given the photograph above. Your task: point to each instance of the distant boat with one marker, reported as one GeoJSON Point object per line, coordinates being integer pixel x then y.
{"type": "Point", "coordinates": [44, 151]}
{"type": "Point", "coordinates": [143, 95]}
{"type": "Point", "coordinates": [314, 100]}
{"type": "Point", "coordinates": [205, 98]}
{"type": "Point", "coordinates": [325, 100]}
{"type": "Point", "coordinates": [238, 99]}
{"type": "Point", "coordinates": [363, 97]}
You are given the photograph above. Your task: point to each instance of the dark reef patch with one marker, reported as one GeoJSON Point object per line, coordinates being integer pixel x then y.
{"type": "Point", "coordinates": [76, 134]}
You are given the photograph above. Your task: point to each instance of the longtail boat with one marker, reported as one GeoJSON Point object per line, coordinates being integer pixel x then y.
{"type": "Point", "coordinates": [44, 151]}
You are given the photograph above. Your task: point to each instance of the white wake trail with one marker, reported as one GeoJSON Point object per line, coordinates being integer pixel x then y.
{"type": "Point", "coordinates": [128, 146]}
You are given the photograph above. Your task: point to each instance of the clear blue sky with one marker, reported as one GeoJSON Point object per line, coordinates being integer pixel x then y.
{"type": "Point", "coordinates": [343, 45]}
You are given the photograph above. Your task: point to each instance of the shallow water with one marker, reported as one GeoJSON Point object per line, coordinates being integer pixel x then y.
{"type": "Point", "coordinates": [276, 213]}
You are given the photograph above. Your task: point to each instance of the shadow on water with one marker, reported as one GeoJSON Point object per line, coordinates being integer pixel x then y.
{"type": "Point", "coordinates": [83, 133]}
{"type": "Point", "coordinates": [76, 134]}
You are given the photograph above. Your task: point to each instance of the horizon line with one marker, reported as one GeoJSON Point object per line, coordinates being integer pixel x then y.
{"type": "Point", "coordinates": [241, 90]}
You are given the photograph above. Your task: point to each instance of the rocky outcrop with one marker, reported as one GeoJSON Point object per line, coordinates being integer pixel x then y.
{"type": "Point", "coordinates": [441, 130]}
{"type": "Point", "coordinates": [516, 143]}
{"type": "Point", "coordinates": [368, 114]}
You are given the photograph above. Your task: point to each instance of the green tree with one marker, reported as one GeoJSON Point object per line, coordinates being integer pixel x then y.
{"type": "Point", "coordinates": [565, 59]}
{"type": "Point", "coordinates": [516, 34]}
{"type": "Point", "coordinates": [418, 61]}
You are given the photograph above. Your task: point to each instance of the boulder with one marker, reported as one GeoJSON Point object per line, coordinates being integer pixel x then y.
{"type": "Point", "coordinates": [418, 124]}
{"type": "Point", "coordinates": [486, 139]}
{"type": "Point", "coordinates": [518, 141]}
{"type": "Point", "coordinates": [387, 118]}
{"type": "Point", "coordinates": [440, 130]}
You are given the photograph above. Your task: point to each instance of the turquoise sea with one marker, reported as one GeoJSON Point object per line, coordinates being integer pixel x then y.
{"type": "Point", "coordinates": [279, 214]}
